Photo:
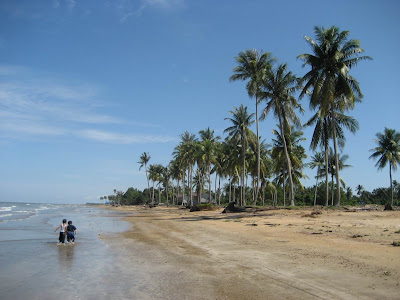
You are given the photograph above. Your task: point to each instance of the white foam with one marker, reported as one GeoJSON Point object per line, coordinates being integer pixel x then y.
{"type": "Point", "coordinates": [7, 215]}
{"type": "Point", "coordinates": [6, 208]}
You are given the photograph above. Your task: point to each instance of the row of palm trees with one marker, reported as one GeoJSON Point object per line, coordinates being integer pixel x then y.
{"type": "Point", "coordinates": [332, 92]}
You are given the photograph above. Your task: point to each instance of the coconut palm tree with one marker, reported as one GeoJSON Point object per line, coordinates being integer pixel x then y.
{"type": "Point", "coordinates": [278, 87]}
{"type": "Point", "coordinates": [317, 161]}
{"type": "Point", "coordinates": [252, 65]}
{"type": "Point", "coordinates": [333, 88]}
{"type": "Point", "coordinates": [143, 161]}
{"type": "Point", "coordinates": [207, 151]}
{"type": "Point", "coordinates": [388, 151]}
{"type": "Point", "coordinates": [323, 132]}
{"type": "Point", "coordinates": [241, 121]}
{"type": "Point", "coordinates": [185, 152]}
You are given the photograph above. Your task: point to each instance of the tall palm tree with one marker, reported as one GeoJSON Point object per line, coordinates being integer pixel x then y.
{"type": "Point", "coordinates": [153, 178]}
{"type": "Point", "coordinates": [278, 88]}
{"type": "Point", "coordinates": [208, 149]}
{"type": "Point", "coordinates": [252, 65]}
{"type": "Point", "coordinates": [388, 151]}
{"type": "Point", "coordinates": [241, 121]}
{"type": "Point", "coordinates": [333, 88]}
{"type": "Point", "coordinates": [143, 161]}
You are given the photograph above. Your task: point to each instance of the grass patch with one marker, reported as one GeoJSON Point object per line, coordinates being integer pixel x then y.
{"type": "Point", "coordinates": [206, 206]}
{"type": "Point", "coordinates": [396, 243]}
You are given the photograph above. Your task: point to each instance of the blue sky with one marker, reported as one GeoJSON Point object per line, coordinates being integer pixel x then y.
{"type": "Point", "coordinates": [87, 86]}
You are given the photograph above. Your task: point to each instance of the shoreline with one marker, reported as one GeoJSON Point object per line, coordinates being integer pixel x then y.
{"type": "Point", "coordinates": [272, 254]}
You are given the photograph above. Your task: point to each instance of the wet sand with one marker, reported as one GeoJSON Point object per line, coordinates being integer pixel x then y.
{"type": "Point", "coordinates": [274, 254]}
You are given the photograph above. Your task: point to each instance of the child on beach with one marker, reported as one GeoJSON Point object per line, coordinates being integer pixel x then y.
{"type": "Point", "coordinates": [63, 229]}
{"type": "Point", "coordinates": [71, 231]}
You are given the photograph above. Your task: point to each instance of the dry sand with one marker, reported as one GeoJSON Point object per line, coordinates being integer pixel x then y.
{"type": "Point", "coordinates": [272, 254]}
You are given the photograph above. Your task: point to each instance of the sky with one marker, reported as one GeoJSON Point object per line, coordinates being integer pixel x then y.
{"type": "Point", "coordinates": [87, 86]}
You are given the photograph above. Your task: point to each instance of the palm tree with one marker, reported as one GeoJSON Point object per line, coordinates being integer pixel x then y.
{"type": "Point", "coordinates": [252, 65]}
{"type": "Point", "coordinates": [153, 178]}
{"type": "Point", "coordinates": [323, 132]}
{"type": "Point", "coordinates": [208, 148]}
{"type": "Point", "coordinates": [143, 161]}
{"type": "Point", "coordinates": [278, 88]}
{"type": "Point", "coordinates": [185, 153]}
{"type": "Point", "coordinates": [388, 151]}
{"type": "Point", "coordinates": [296, 154]}
{"type": "Point", "coordinates": [317, 161]}
{"type": "Point", "coordinates": [333, 88]}
{"type": "Point", "coordinates": [241, 121]}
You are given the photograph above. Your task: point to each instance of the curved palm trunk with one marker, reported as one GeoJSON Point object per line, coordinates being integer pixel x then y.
{"type": "Point", "coordinates": [258, 156]}
{"type": "Point", "coordinates": [230, 189]}
{"type": "Point", "coordinates": [289, 165]}
{"type": "Point", "coordinates": [336, 157]}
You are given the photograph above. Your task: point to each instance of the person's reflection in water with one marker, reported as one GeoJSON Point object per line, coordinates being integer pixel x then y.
{"type": "Point", "coordinates": [66, 256]}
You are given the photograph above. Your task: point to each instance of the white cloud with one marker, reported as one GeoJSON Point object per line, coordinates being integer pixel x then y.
{"type": "Point", "coordinates": [127, 8]}
{"type": "Point", "coordinates": [118, 138]}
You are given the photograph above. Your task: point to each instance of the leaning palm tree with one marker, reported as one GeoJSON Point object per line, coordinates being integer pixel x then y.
{"type": "Point", "coordinates": [278, 88]}
{"type": "Point", "coordinates": [143, 161]}
{"type": "Point", "coordinates": [241, 121]}
{"type": "Point", "coordinates": [252, 65]}
{"type": "Point", "coordinates": [333, 88]}
{"type": "Point", "coordinates": [388, 151]}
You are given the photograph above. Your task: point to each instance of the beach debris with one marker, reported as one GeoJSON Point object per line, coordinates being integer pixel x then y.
{"type": "Point", "coordinates": [396, 243]}
{"type": "Point", "coordinates": [388, 207]}
{"type": "Point", "coordinates": [252, 224]}
{"type": "Point", "coordinates": [312, 214]}
{"type": "Point", "coordinates": [232, 208]}
{"type": "Point", "coordinates": [356, 236]}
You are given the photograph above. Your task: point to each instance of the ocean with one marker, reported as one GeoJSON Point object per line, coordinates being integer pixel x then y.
{"type": "Point", "coordinates": [34, 266]}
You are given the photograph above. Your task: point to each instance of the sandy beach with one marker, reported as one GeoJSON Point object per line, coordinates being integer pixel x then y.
{"type": "Point", "coordinates": [271, 254]}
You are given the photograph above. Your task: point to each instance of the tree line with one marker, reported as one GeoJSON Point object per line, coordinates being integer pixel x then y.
{"type": "Point", "coordinates": [259, 173]}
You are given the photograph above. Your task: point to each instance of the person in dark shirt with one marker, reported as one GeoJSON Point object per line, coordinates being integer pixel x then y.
{"type": "Point", "coordinates": [71, 231]}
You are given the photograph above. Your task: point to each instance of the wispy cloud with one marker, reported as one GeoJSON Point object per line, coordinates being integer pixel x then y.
{"type": "Point", "coordinates": [129, 8]}
{"type": "Point", "coordinates": [45, 107]}
{"type": "Point", "coordinates": [118, 138]}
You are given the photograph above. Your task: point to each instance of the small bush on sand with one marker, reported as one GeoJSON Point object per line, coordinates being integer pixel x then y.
{"type": "Point", "coordinates": [396, 243]}
{"type": "Point", "coordinates": [206, 206]}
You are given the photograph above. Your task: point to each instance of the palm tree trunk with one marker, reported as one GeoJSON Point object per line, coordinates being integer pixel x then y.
{"type": "Point", "coordinates": [209, 183]}
{"type": "Point", "coordinates": [391, 182]}
{"type": "Point", "coordinates": [242, 197]}
{"type": "Point", "coordinates": [183, 186]}
{"type": "Point", "coordinates": [230, 189]}
{"type": "Point", "coordinates": [316, 186]}
{"type": "Point", "coordinates": [152, 197]}
{"type": "Point", "coordinates": [284, 192]}
{"type": "Point", "coordinates": [215, 188]}
{"type": "Point", "coordinates": [148, 183]}
{"type": "Point", "coordinates": [219, 191]}
{"type": "Point", "coordinates": [258, 156]}
{"type": "Point", "coordinates": [333, 189]}
{"type": "Point", "coordinates": [326, 176]}
{"type": "Point", "coordinates": [289, 164]}
{"type": "Point", "coordinates": [336, 157]}
{"type": "Point", "coordinates": [191, 185]}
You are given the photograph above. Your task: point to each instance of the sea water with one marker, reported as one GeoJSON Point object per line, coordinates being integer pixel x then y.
{"type": "Point", "coordinates": [34, 266]}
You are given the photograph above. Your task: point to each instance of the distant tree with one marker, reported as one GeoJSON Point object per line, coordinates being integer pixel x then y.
{"type": "Point", "coordinates": [388, 151]}
{"type": "Point", "coordinates": [143, 161]}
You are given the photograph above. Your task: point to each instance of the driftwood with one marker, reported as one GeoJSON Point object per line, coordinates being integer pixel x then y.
{"type": "Point", "coordinates": [231, 208]}
{"type": "Point", "coordinates": [388, 207]}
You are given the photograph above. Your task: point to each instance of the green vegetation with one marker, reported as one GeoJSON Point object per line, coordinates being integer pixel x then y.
{"type": "Point", "coordinates": [256, 172]}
